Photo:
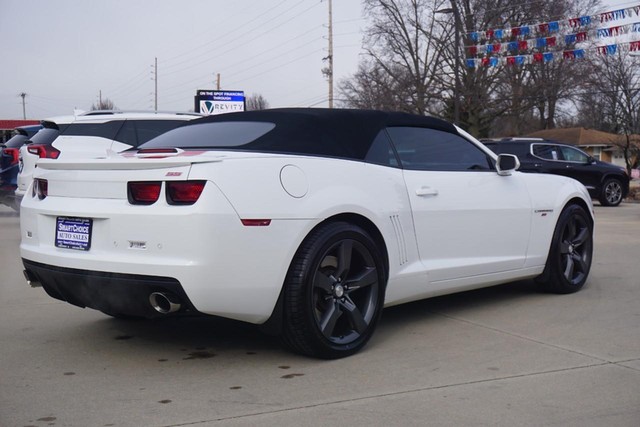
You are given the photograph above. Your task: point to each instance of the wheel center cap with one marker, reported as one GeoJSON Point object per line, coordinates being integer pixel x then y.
{"type": "Point", "coordinates": [571, 249]}
{"type": "Point", "coordinates": [338, 291]}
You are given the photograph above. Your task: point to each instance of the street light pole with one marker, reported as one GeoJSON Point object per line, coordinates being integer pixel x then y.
{"type": "Point", "coordinates": [456, 58]}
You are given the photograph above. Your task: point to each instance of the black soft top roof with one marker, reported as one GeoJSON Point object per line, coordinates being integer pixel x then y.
{"type": "Point", "coordinates": [344, 133]}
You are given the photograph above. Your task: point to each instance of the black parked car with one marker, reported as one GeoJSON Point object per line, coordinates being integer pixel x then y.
{"type": "Point", "coordinates": [605, 181]}
{"type": "Point", "coordinates": [9, 153]}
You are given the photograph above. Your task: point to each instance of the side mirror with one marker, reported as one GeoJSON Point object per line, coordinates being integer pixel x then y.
{"type": "Point", "coordinates": [506, 164]}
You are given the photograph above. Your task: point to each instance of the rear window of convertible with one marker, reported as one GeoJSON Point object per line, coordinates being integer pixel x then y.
{"type": "Point", "coordinates": [236, 135]}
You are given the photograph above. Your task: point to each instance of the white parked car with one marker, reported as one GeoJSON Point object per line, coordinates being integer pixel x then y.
{"type": "Point", "coordinates": [93, 134]}
{"type": "Point", "coordinates": [306, 221]}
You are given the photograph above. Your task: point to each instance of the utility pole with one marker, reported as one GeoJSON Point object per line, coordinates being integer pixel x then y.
{"type": "Point", "coordinates": [330, 56]}
{"type": "Point", "coordinates": [100, 100]}
{"type": "Point", "coordinates": [156, 83]}
{"type": "Point", "coordinates": [218, 81]}
{"type": "Point", "coordinates": [24, 111]}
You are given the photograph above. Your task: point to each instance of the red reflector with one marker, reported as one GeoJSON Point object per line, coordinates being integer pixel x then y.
{"type": "Point", "coordinates": [143, 192]}
{"type": "Point", "coordinates": [184, 192]}
{"type": "Point", "coordinates": [13, 153]}
{"type": "Point", "coordinates": [256, 222]}
{"type": "Point", "coordinates": [43, 151]}
{"type": "Point", "coordinates": [41, 187]}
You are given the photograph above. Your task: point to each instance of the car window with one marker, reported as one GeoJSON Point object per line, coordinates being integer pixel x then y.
{"type": "Point", "coordinates": [149, 129]}
{"type": "Point", "coordinates": [106, 130]}
{"type": "Point", "coordinates": [381, 151]}
{"type": "Point", "coordinates": [546, 151]}
{"type": "Point", "coordinates": [212, 135]}
{"type": "Point", "coordinates": [127, 134]}
{"type": "Point", "coordinates": [571, 154]}
{"type": "Point", "coordinates": [45, 136]}
{"type": "Point", "coordinates": [430, 149]}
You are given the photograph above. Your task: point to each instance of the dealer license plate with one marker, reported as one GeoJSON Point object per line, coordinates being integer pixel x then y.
{"type": "Point", "coordinates": [73, 233]}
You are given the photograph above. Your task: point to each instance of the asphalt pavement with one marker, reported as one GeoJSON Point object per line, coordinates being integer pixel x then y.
{"type": "Point", "coordinates": [502, 356]}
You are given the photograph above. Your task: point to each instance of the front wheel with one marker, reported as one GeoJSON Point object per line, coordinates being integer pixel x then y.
{"type": "Point", "coordinates": [611, 194]}
{"type": "Point", "coordinates": [570, 255]}
{"type": "Point", "coordinates": [334, 292]}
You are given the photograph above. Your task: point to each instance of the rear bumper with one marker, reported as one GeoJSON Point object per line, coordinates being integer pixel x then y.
{"type": "Point", "coordinates": [111, 293]}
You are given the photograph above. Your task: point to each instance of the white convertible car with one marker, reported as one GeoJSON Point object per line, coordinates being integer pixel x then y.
{"type": "Point", "coordinates": [306, 221]}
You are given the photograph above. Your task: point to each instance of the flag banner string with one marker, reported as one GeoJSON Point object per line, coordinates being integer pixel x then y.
{"type": "Point", "coordinates": [541, 43]}
{"type": "Point", "coordinates": [549, 28]}
{"type": "Point", "coordinates": [545, 57]}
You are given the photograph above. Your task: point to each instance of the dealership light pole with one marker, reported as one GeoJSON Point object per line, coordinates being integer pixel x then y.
{"type": "Point", "coordinates": [456, 60]}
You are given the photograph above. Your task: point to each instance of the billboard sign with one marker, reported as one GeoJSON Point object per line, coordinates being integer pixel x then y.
{"type": "Point", "coordinates": [219, 101]}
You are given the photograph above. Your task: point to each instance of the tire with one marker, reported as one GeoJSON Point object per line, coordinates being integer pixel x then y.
{"type": "Point", "coordinates": [571, 252]}
{"type": "Point", "coordinates": [334, 292]}
{"type": "Point", "coordinates": [611, 194]}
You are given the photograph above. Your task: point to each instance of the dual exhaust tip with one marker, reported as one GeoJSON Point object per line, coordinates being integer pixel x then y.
{"type": "Point", "coordinates": [164, 303]}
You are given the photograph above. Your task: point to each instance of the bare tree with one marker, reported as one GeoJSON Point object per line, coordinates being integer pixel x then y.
{"type": "Point", "coordinates": [103, 104]}
{"type": "Point", "coordinates": [256, 102]}
{"type": "Point", "coordinates": [402, 44]}
{"type": "Point", "coordinates": [614, 87]}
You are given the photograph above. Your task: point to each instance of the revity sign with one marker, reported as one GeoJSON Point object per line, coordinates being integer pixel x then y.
{"type": "Point", "coordinates": [219, 101]}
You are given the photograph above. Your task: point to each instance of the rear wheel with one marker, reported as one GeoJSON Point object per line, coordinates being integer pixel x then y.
{"type": "Point", "coordinates": [334, 292]}
{"type": "Point", "coordinates": [611, 194]}
{"type": "Point", "coordinates": [570, 255]}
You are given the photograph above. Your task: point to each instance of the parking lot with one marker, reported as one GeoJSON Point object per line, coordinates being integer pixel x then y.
{"type": "Point", "coordinates": [507, 355]}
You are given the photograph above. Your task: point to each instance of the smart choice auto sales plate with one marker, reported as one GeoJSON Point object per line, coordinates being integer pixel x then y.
{"type": "Point", "coordinates": [73, 233]}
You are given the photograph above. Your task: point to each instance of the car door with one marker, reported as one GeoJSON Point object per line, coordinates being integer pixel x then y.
{"type": "Point", "coordinates": [468, 220]}
{"type": "Point", "coordinates": [578, 166]}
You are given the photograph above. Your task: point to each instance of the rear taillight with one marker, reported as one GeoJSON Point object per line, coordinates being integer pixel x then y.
{"type": "Point", "coordinates": [184, 192]}
{"type": "Point", "coordinates": [177, 192]}
{"type": "Point", "coordinates": [13, 153]}
{"type": "Point", "coordinates": [143, 192]}
{"type": "Point", "coordinates": [43, 151]}
{"type": "Point", "coordinates": [40, 188]}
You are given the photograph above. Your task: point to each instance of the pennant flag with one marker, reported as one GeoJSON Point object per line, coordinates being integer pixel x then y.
{"type": "Point", "coordinates": [541, 43]}
{"type": "Point", "coordinates": [489, 34]}
{"type": "Point", "coordinates": [582, 36]}
{"type": "Point", "coordinates": [633, 46]}
{"type": "Point", "coordinates": [569, 39]}
{"type": "Point", "coordinates": [543, 28]}
{"type": "Point", "coordinates": [515, 32]}
{"type": "Point", "coordinates": [548, 56]}
{"type": "Point", "coordinates": [537, 57]}
{"type": "Point", "coordinates": [474, 36]}
{"type": "Point", "coordinates": [473, 50]}
{"type": "Point", "coordinates": [512, 46]}
{"type": "Point", "coordinates": [554, 27]}
{"type": "Point", "coordinates": [498, 34]}
{"type": "Point", "coordinates": [585, 20]}
{"type": "Point", "coordinates": [471, 63]}
{"type": "Point", "coordinates": [551, 41]}
{"type": "Point", "coordinates": [523, 45]}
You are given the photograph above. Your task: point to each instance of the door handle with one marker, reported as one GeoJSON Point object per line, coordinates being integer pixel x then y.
{"type": "Point", "coordinates": [426, 191]}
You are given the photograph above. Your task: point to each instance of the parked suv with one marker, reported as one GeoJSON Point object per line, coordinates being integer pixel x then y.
{"type": "Point", "coordinates": [605, 181]}
{"type": "Point", "coordinates": [9, 153]}
{"type": "Point", "coordinates": [92, 135]}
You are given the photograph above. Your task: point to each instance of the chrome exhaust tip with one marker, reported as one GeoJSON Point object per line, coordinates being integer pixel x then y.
{"type": "Point", "coordinates": [31, 279]}
{"type": "Point", "coordinates": [164, 303]}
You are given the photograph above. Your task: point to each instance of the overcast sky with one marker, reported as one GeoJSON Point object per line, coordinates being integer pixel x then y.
{"type": "Point", "coordinates": [62, 53]}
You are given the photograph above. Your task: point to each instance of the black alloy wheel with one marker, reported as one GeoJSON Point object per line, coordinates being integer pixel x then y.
{"type": "Point", "coordinates": [571, 252]}
{"type": "Point", "coordinates": [611, 193]}
{"type": "Point", "coordinates": [334, 292]}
